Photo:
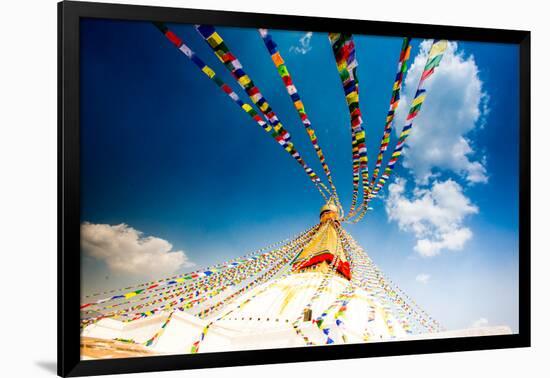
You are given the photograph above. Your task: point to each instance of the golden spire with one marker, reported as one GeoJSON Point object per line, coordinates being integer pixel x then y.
{"type": "Point", "coordinates": [329, 211]}
{"type": "Point", "coordinates": [324, 247]}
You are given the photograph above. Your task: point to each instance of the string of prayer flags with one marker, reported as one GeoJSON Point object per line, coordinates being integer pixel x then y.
{"type": "Point", "coordinates": [273, 126]}
{"type": "Point", "coordinates": [316, 295]}
{"type": "Point", "coordinates": [382, 288]}
{"type": "Point", "coordinates": [343, 48]}
{"type": "Point", "coordinates": [210, 284]}
{"type": "Point", "coordinates": [394, 102]}
{"type": "Point", "coordinates": [156, 336]}
{"type": "Point", "coordinates": [234, 66]}
{"type": "Point", "coordinates": [196, 344]}
{"type": "Point", "coordinates": [434, 58]}
{"type": "Point", "coordinates": [292, 91]}
{"type": "Point", "coordinates": [195, 274]}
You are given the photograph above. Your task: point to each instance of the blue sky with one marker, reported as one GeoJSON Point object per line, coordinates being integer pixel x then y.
{"type": "Point", "coordinates": [166, 153]}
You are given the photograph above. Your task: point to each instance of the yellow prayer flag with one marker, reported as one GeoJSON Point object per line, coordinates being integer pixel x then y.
{"type": "Point", "coordinates": [220, 54]}
{"type": "Point", "coordinates": [264, 107]}
{"type": "Point", "coordinates": [438, 48]}
{"type": "Point", "coordinates": [352, 97]}
{"type": "Point", "coordinates": [244, 80]}
{"type": "Point", "coordinates": [214, 40]}
{"type": "Point", "coordinates": [208, 71]}
{"type": "Point", "coordinates": [420, 99]}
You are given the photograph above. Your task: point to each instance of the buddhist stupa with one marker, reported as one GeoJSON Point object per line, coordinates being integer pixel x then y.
{"type": "Point", "coordinates": [329, 292]}
{"type": "Point", "coordinates": [317, 288]}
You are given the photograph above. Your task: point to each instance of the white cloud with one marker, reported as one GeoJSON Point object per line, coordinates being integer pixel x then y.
{"type": "Point", "coordinates": [304, 45]}
{"type": "Point", "coordinates": [125, 250]}
{"type": "Point", "coordinates": [455, 105]}
{"type": "Point", "coordinates": [435, 215]}
{"type": "Point", "coordinates": [481, 322]}
{"type": "Point", "coordinates": [423, 278]}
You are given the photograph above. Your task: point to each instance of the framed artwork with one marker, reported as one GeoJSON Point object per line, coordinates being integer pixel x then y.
{"type": "Point", "coordinates": [239, 188]}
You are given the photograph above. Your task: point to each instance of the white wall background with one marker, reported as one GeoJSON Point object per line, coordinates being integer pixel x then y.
{"type": "Point", "coordinates": [28, 154]}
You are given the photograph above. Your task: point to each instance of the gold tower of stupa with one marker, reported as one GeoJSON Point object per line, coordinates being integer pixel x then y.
{"type": "Point", "coordinates": [324, 253]}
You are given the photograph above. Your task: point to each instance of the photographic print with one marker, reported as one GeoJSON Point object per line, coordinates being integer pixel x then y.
{"type": "Point", "coordinates": [245, 189]}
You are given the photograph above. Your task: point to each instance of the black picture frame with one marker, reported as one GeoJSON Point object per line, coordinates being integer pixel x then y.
{"type": "Point", "coordinates": [69, 363]}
